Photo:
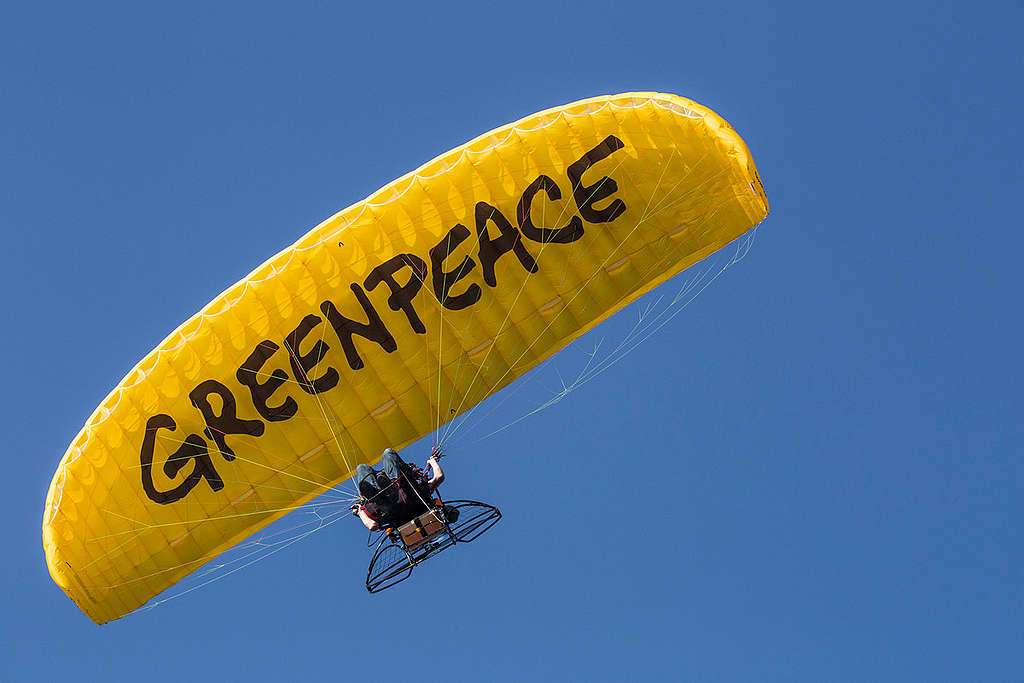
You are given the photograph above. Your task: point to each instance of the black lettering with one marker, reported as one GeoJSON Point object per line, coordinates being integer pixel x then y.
{"type": "Point", "coordinates": [444, 280]}
{"type": "Point", "coordinates": [509, 240]}
{"type": "Point", "coordinates": [302, 365]}
{"type": "Point", "coordinates": [193, 448]}
{"type": "Point", "coordinates": [248, 375]}
{"type": "Point", "coordinates": [374, 329]}
{"type": "Point", "coordinates": [588, 195]}
{"type": "Point", "coordinates": [401, 295]}
{"type": "Point", "coordinates": [570, 232]}
{"type": "Point", "coordinates": [219, 426]}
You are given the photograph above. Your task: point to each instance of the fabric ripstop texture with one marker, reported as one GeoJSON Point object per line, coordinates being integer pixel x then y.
{"type": "Point", "coordinates": [382, 324]}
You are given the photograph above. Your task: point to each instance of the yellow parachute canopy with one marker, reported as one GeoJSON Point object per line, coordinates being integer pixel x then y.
{"type": "Point", "coordinates": [383, 323]}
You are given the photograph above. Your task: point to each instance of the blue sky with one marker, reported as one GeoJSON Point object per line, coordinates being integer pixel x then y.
{"type": "Point", "coordinates": [812, 473]}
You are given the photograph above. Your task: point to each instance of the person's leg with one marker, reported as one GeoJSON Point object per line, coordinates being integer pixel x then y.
{"type": "Point", "coordinates": [391, 463]}
{"type": "Point", "coordinates": [387, 480]}
{"type": "Point", "coordinates": [367, 481]}
{"type": "Point", "coordinates": [407, 490]}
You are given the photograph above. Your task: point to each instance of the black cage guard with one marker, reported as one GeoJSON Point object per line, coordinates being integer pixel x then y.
{"type": "Point", "coordinates": [393, 560]}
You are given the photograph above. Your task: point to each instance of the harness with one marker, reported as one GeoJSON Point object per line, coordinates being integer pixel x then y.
{"type": "Point", "coordinates": [414, 496]}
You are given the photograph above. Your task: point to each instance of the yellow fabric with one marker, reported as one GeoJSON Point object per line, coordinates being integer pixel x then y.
{"type": "Point", "coordinates": [684, 185]}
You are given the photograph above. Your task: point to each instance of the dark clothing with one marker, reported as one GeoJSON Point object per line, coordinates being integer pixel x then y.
{"type": "Point", "coordinates": [394, 495]}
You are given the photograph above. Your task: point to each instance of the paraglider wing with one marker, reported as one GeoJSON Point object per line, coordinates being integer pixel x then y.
{"type": "Point", "coordinates": [383, 323]}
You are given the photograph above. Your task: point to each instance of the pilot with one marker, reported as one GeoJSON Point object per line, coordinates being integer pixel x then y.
{"type": "Point", "coordinates": [396, 494]}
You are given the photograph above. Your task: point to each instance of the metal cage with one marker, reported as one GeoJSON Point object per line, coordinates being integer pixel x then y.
{"type": "Point", "coordinates": [402, 548]}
